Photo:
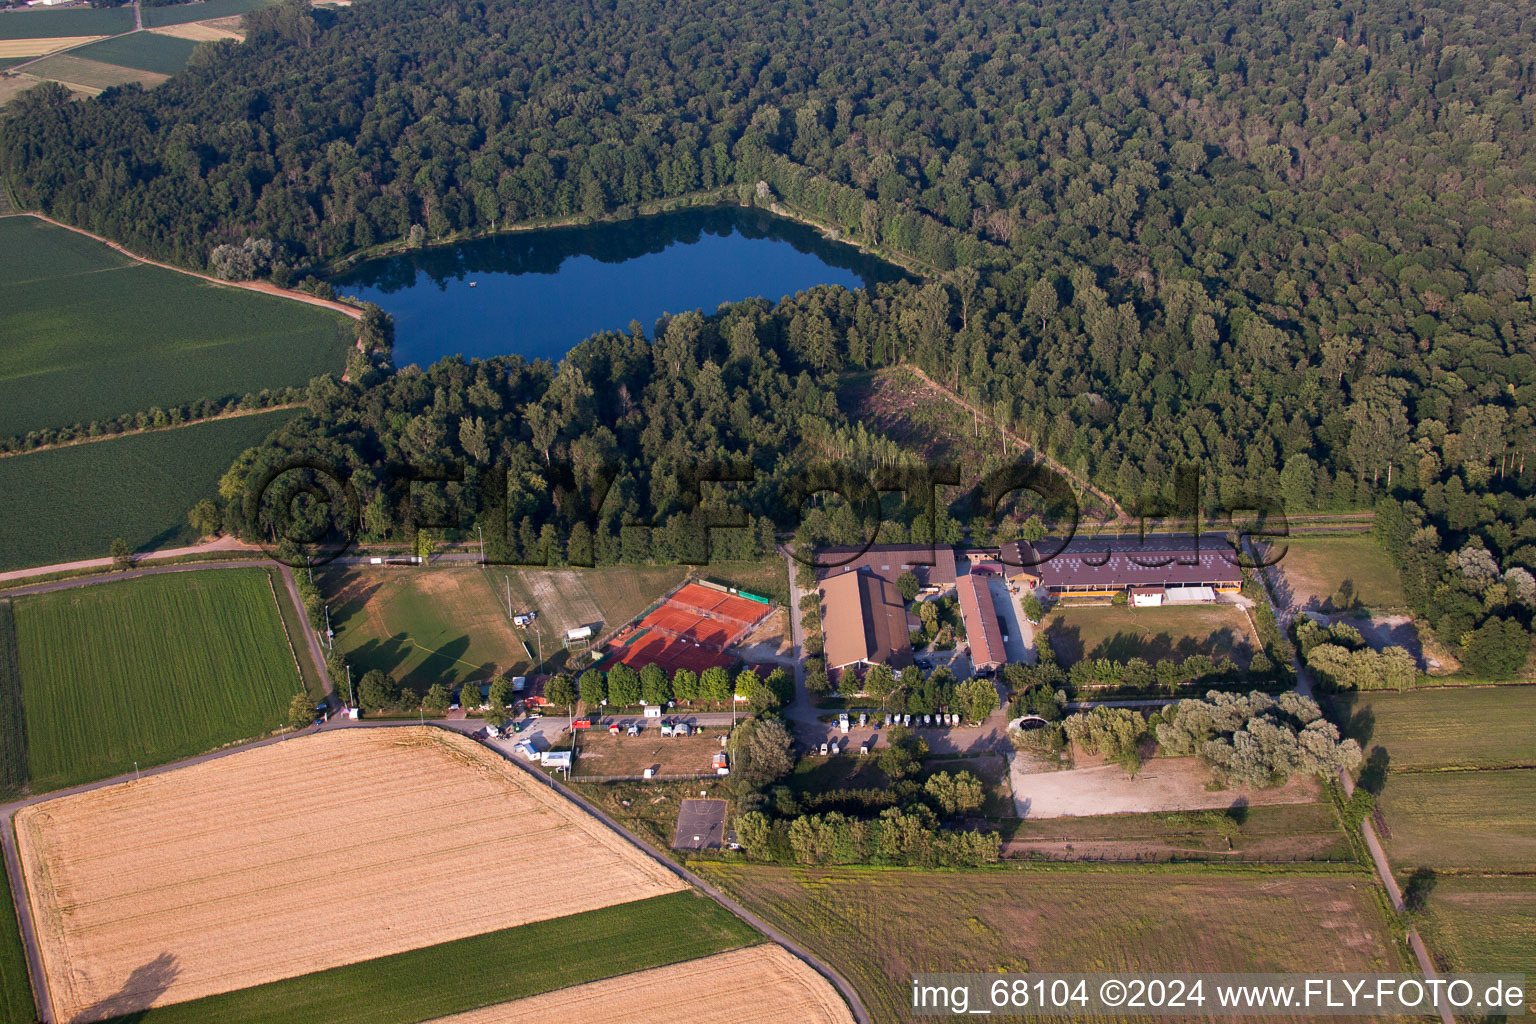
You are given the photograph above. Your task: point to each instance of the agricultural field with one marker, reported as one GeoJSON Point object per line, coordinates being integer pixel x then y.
{"type": "Point", "coordinates": [64, 504]}
{"type": "Point", "coordinates": [92, 75]}
{"type": "Point", "coordinates": [1218, 630]}
{"type": "Point", "coordinates": [200, 10]}
{"type": "Point", "coordinates": [223, 875]}
{"type": "Point", "coordinates": [13, 719]}
{"type": "Point", "coordinates": [1485, 924]}
{"type": "Point", "coordinates": [762, 984]}
{"type": "Point", "coordinates": [472, 972]}
{"type": "Point", "coordinates": [76, 21]}
{"type": "Point", "coordinates": [205, 31]}
{"type": "Point", "coordinates": [11, 49]}
{"type": "Point", "coordinates": [1336, 574]}
{"type": "Point", "coordinates": [144, 51]}
{"type": "Point", "coordinates": [88, 335]}
{"type": "Point", "coordinates": [1467, 727]}
{"type": "Point", "coordinates": [16, 1002]}
{"type": "Point", "coordinates": [1281, 833]}
{"type": "Point", "coordinates": [603, 754]}
{"type": "Point", "coordinates": [877, 927]}
{"type": "Point", "coordinates": [149, 670]}
{"type": "Point", "coordinates": [1474, 821]}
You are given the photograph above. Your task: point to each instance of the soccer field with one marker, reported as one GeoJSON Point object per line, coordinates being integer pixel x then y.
{"type": "Point", "coordinates": [149, 670]}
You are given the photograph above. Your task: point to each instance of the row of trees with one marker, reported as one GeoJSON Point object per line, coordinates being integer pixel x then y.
{"type": "Point", "coordinates": [1256, 739]}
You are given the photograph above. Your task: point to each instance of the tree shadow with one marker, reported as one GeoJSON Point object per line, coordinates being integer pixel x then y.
{"type": "Point", "coordinates": [1358, 725]}
{"type": "Point", "coordinates": [1373, 774]}
{"type": "Point", "coordinates": [1238, 812]}
{"type": "Point", "coordinates": [1067, 642]}
{"type": "Point", "coordinates": [128, 1005]}
{"type": "Point", "coordinates": [1417, 890]}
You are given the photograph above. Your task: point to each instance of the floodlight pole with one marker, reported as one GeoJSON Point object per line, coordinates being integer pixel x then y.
{"type": "Point", "coordinates": [136, 775]}
{"type": "Point", "coordinates": [352, 696]}
{"type": "Point", "coordinates": [482, 542]}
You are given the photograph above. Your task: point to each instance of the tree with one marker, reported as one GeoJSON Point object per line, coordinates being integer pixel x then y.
{"type": "Point", "coordinates": [560, 690]}
{"type": "Point", "coordinates": [902, 753]}
{"type": "Point", "coordinates": [715, 685]}
{"type": "Point", "coordinates": [206, 519]}
{"type": "Point", "coordinates": [816, 680]}
{"type": "Point", "coordinates": [908, 585]}
{"type": "Point", "coordinates": [502, 694]}
{"type": "Point", "coordinates": [1033, 609]}
{"type": "Point", "coordinates": [122, 555]}
{"type": "Point", "coordinates": [623, 686]}
{"type": "Point", "coordinates": [753, 831]}
{"type": "Point", "coordinates": [685, 685]}
{"type": "Point", "coordinates": [376, 691]}
{"type": "Point", "coordinates": [437, 700]}
{"type": "Point", "coordinates": [301, 711]}
{"type": "Point", "coordinates": [978, 697]}
{"type": "Point", "coordinates": [955, 794]}
{"type": "Point", "coordinates": [594, 690]}
{"type": "Point", "coordinates": [762, 748]}
{"type": "Point", "coordinates": [655, 688]}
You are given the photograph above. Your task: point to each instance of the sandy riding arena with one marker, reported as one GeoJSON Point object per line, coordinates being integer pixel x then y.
{"type": "Point", "coordinates": [300, 856]}
{"type": "Point", "coordinates": [757, 985]}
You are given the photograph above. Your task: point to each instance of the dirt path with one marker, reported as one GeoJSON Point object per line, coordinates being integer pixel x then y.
{"type": "Point", "coordinates": [221, 544]}
{"type": "Point", "coordinates": [250, 286]}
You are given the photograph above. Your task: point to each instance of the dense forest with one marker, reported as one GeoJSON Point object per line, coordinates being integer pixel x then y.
{"type": "Point", "coordinates": [1294, 244]}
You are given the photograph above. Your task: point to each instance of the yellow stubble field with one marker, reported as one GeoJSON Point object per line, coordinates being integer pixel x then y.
{"type": "Point", "coordinates": [762, 984]}
{"type": "Point", "coordinates": [299, 856]}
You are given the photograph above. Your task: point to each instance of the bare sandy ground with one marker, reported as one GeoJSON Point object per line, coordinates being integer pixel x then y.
{"type": "Point", "coordinates": [1163, 784]}
{"type": "Point", "coordinates": [297, 857]}
{"type": "Point", "coordinates": [757, 985]}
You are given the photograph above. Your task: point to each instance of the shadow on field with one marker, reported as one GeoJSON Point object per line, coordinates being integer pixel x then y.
{"type": "Point", "coordinates": [143, 987]}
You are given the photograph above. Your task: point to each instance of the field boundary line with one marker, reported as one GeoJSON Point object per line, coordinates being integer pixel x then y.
{"type": "Point", "coordinates": [250, 286]}
{"type": "Point", "coordinates": [78, 441]}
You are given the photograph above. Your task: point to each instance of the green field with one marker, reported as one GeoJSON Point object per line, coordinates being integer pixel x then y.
{"type": "Point", "coordinates": [1278, 833]}
{"type": "Point", "coordinates": [1219, 630]}
{"type": "Point", "coordinates": [1336, 574]}
{"type": "Point", "coordinates": [146, 51]}
{"type": "Point", "coordinates": [69, 503]}
{"type": "Point", "coordinates": [424, 984]}
{"type": "Point", "coordinates": [16, 1005]}
{"type": "Point", "coordinates": [1463, 728]}
{"type": "Point", "coordinates": [13, 722]}
{"type": "Point", "coordinates": [150, 670]}
{"type": "Point", "coordinates": [1475, 821]}
{"type": "Point", "coordinates": [90, 334]}
{"type": "Point", "coordinates": [178, 14]}
{"type": "Point", "coordinates": [1485, 924]}
{"type": "Point", "coordinates": [878, 926]}
{"type": "Point", "coordinates": [76, 21]}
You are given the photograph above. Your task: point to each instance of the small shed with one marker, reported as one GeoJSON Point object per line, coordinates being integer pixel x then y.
{"type": "Point", "coordinates": [557, 759]}
{"type": "Point", "coordinates": [1147, 597]}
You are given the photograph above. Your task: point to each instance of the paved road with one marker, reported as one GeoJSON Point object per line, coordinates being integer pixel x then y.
{"type": "Point", "coordinates": [466, 726]}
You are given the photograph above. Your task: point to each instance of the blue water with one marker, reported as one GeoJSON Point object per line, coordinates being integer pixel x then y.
{"type": "Point", "coordinates": [538, 293]}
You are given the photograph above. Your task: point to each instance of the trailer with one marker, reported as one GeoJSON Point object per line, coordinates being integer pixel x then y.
{"type": "Point", "coordinates": [721, 764]}
{"type": "Point", "coordinates": [556, 758]}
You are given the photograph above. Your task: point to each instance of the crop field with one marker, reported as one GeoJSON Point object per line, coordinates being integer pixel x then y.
{"type": "Point", "coordinates": [878, 927]}
{"type": "Point", "coordinates": [90, 334]}
{"type": "Point", "coordinates": [149, 670]}
{"type": "Point", "coordinates": [1218, 630]}
{"type": "Point", "coordinates": [1486, 924]}
{"type": "Point", "coordinates": [472, 972]}
{"type": "Point", "coordinates": [65, 504]}
{"type": "Point", "coordinates": [1279, 833]}
{"type": "Point", "coordinates": [90, 74]}
{"type": "Point", "coordinates": [10, 48]}
{"type": "Point", "coordinates": [1337, 574]}
{"type": "Point", "coordinates": [13, 721]}
{"type": "Point", "coordinates": [76, 21]}
{"type": "Point", "coordinates": [143, 51]}
{"type": "Point", "coordinates": [762, 984]}
{"type": "Point", "coordinates": [202, 10]}
{"type": "Point", "coordinates": [1475, 821]}
{"type": "Point", "coordinates": [16, 1003]}
{"type": "Point", "coordinates": [1460, 728]}
{"type": "Point", "coordinates": [204, 31]}
{"type": "Point", "coordinates": [286, 859]}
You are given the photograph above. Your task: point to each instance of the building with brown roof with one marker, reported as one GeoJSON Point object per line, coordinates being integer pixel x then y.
{"type": "Point", "coordinates": [865, 621]}
{"type": "Point", "coordinates": [1102, 565]}
{"type": "Point", "coordinates": [933, 567]}
{"type": "Point", "coordinates": [982, 630]}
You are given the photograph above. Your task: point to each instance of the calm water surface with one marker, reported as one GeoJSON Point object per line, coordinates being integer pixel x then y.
{"type": "Point", "coordinates": [538, 293]}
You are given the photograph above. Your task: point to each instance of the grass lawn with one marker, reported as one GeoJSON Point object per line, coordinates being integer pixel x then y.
{"type": "Point", "coordinates": [144, 51]}
{"type": "Point", "coordinates": [1477, 821]}
{"type": "Point", "coordinates": [1485, 924]}
{"type": "Point", "coordinates": [75, 21]}
{"type": "Point", "coordinates": [90, 74]}
{"type": "Point", "coordinates": [1461, 728]}
{"type": "Point", "coordinates": [90, 334]}
{"type": "Point", "coordinates": [16, 1003]}
{"type": "Point", "coordinates": [1275, 833]}
{"type": "Point", "coordinates": [65, 504]}
{"type": "Point", "coordinates": [424, 984]}
{"type": "Point", "coordinates": [180, 14]}
{"type": "Point", "coordinates": [150, 670]}
{"type": "Point", "coordinates": [1337, 574]}
{"type": "Point", "coordinates": [603, 754]}
{"type": "Point", "coordinates": [1219, 630]}
{"type": "Point", "coordinates": [649, 808]}
{"type": "Point", "coordinates": [879, 926]}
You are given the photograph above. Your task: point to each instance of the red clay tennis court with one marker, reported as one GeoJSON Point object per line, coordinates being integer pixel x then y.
{"type": "Point", "coordinates": [669, 653]}
{"type": "Point", "coordinates": [704, 616]}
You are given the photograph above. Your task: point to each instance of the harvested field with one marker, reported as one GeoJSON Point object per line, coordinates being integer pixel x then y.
{"type": "Point", "coordinates": [759, 985]}
{"type": "Point", "coordinates": [38, 47]}
{"type": "Point", "coordinates": [203, 31]}
{"type": "Point", "coordinates": [1162, 784]}
{"type": "Point", "coordinates": [296, 857]}
{"type": "Point", "coordinates": [1219, 630]}
{"type": "Point", "coordinates": [878, 927]}
{"type": "Point", "coordinates": [1442, 728]}
{"type": "Point", "coordinates": [90, 74]}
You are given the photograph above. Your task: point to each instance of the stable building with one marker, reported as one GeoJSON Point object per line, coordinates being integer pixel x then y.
{"type": "Point", "coordinates": [865, 621]}
{"type": "Point", "coordinates": [934, 566]}
{"type": "Point", "coordinates": [983, 631]}
{"type": "Point", "coordinates": [1153, 570]}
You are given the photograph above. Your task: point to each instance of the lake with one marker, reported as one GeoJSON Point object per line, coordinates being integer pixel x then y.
{"type": "Point", "coordinates": [538, 293]}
